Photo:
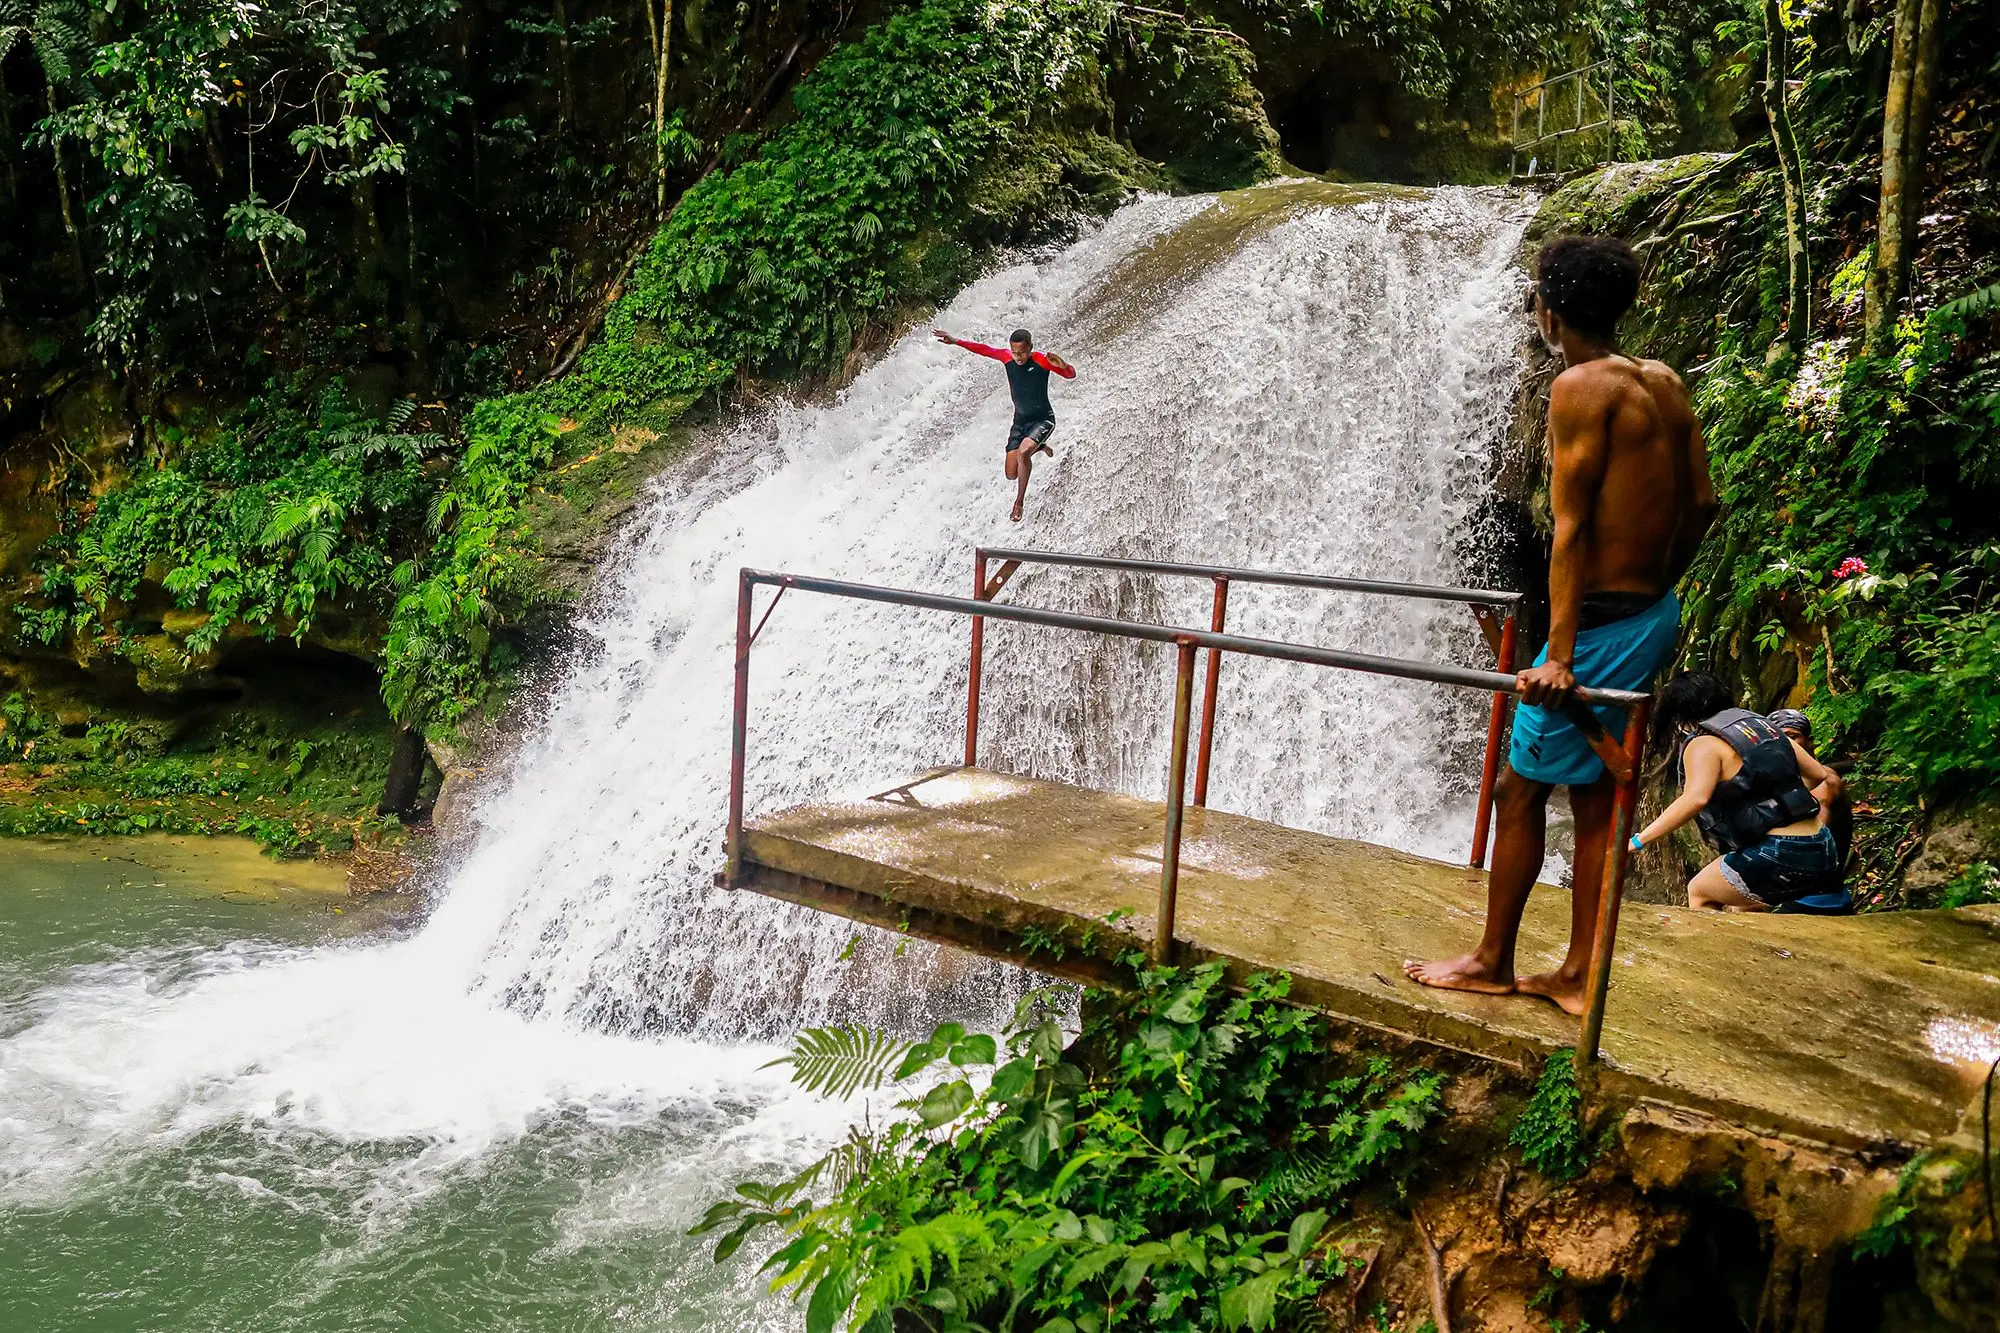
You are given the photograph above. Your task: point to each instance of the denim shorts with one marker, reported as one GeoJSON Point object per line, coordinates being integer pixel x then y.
{"type": "Point", "coordinates": [1780, 868]}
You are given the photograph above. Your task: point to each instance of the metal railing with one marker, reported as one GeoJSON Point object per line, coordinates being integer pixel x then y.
{"type": "Point", "coordinates": [1621, 757]}
{"type": "Point", "coordinates": [1487, 606]}
{"type": "Point", "coordinates": [1546, 92]}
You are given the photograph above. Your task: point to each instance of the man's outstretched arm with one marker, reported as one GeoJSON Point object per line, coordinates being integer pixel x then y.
{"type": "Point", "coordinates": [1579, 446]}
{"type": "Point", "coordinates": [1054, 364]}
{"type": "Point", "coordinates": [997, 353]}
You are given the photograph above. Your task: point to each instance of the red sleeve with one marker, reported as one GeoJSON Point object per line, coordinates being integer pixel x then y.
{"type": "Point", "coordinates": [1067, 372]}
{"type": "Point", "coordinates": [997, 353]}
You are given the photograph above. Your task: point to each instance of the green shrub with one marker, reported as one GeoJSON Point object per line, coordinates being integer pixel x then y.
{"type": "Point", "coordinates": [1182, 1179]}
{"type": "Point", "coordinates": [1550, 1130]}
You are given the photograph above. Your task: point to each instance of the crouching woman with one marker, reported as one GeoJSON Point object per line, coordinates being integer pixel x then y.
{"type": "Point", "coordinates": [1750, 789]}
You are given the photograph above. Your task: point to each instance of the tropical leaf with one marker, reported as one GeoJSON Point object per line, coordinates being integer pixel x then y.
{"type": "Point", "coordinates": [840, 1061]}
{"type": "Point", "coordinates": [1984, 301]}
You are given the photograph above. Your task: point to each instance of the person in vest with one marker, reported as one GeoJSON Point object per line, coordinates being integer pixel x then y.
{"type": "Point", "coordinates": [1836, 808]}
{"type": "Point", "coordinates": [1028, 374]}
{"type": "Point", "coordinates": [1749, 787]}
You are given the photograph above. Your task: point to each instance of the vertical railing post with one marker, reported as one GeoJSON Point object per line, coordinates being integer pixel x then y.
{"type": "Point", "coordinates": [1610, 115]}
{"type": "Point", "coordinates": [1624, 804]}
{"type": "Point", "coordinates": [1496, 725]}
{"type": "Point", "coordinates": [1170, 843]}
{"type": "Point", "coordinates": [1208, 695]}
{"type": "Point", "coordinates": [1514, 140]}
{"type": "Point", "coordinates": [739, 731]}
{"type": "Point", "coordinates": [978, 661]}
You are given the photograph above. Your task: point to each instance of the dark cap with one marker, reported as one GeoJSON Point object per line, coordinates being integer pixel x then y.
{"type": "Point", "coordinates": [1792, 720]}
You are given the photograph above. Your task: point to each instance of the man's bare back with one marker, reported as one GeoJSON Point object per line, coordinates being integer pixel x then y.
{"type": "Point", "coordinates": [1625, 435]}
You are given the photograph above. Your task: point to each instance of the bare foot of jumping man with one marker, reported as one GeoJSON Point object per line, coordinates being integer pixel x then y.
{"type": "Point", "coordinates": [1565, 993]}
{"type": "Point", "coordinates": [1470, 973]}
{"type": "Point", "coordinates": [1016, 516]}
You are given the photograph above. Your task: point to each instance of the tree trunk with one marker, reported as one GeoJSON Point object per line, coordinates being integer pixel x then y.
{"type": "Point", "coordinates": [62, 197]}
{"type": "Point", "coordinates": [565, 86]}
{"type": "Point", "coordinates": [1905, 125]}
{"type": "Point", "coordinates": [406, 773]}
{"type": "Point", "coordinates": [660, 29]}
{"type": "Point", "coordinates": [1791, 170]}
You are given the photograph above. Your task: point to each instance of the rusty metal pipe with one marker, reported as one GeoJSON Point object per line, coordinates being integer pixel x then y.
{"type": "Point", "coordinates": [1208, 693]}
{"type": "Point", "coordinates": [978, 662]}
{"type": "Point", "coordinates": [1170, 844]}
{"type": "Point", "coordinates": [739, 729]}
{"type": "Point", "coordinates": [1489, 771]}
{"type": "Point", "coordinates": [1330, 583]}
{"type": "Point", "coordinates": [1624, 805]}
{"type": "Point", "coordinates": [1370, 663]}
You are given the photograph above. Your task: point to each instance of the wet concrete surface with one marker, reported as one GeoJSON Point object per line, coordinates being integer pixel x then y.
{"type": "Point", "coordinates": [1867, 1032]}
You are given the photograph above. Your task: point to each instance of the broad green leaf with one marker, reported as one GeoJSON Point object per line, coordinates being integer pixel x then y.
{"type": "Point", "coordinates": [1305, 1230]}
{"type": "Point", "coordinates": [830, 1300]}
{"type": "Point", "coordinates": [978, 1049]}
{"type": "Point", "coordinates": [945, 1103]}
{"type": "Point", "coordinates": [1012, 1079]}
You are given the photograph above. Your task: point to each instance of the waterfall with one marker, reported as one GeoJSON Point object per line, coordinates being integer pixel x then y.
{"type": "Point", "coordinates": [1303, 377]}
{"type": "Point", "coordinates": [1276, 381]}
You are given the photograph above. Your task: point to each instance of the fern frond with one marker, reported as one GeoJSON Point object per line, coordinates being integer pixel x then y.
{"type": "Point", "coordinates": [1984, 301]}
{"type": "Point", "coordinates": [840, 1061]}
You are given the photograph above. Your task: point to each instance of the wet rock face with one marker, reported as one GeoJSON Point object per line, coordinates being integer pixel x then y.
{"type": "Point", "coordinates": [1960, 839]}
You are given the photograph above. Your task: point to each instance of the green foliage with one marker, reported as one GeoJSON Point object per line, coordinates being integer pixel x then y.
{"type": "Point", "coordinates": [284, 509]}
{"type": "Point", "coordinates": [283, 773]}
{"type": "Point", "coordinates": [1890, 1229]}
{"type": "Point", "coordinates": [1550, 1131]}
{"type": "Point", "coordinates": [1183, 1178]}
{"type": "Point", "coordinates": [774, 264]}
{"type": "Point", "coordinates": [1978, 883]}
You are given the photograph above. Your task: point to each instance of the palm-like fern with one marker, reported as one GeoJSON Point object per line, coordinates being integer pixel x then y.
{"type": "Point", "coordinates": [840, 1061]}
{"type": "Point", "coordinates": [55, 29]}
{"type": "Point", "coordinates": [364, 440]}
{"type": "Point", "coordinates": [1984, 301]}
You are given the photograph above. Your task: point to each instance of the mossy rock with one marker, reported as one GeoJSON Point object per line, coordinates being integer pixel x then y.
{"type": "Point", "coordinates": [1201, 116]}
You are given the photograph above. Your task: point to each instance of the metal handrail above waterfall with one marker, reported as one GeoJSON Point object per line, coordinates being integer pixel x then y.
{"type": "Point", "coordinates": [1622, 758]}
{"type": "Point", "coordinates": [1487, 606]}
{"type": "Point", "coordinates": [1544, 93]}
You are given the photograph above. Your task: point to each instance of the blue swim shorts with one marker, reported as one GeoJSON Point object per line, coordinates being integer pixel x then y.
{"type": "Point", "coordinates": [1623, 655]}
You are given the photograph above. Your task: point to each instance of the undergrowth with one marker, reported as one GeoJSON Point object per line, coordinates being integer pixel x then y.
{"type": "Point", "coordinates": [1178, 1168]}
{"type": "Point", "coordinates": [1550, 1132]}
{"type": "Point", "coordinates": [296, 786]}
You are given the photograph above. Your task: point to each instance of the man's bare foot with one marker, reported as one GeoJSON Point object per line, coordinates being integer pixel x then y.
{"type": "Point", "coordinates": [1467, 974]}
{"type": "Point", "coordinates": [1555, 988]}
{"type": "Point", "coordinates": [1017, 512]}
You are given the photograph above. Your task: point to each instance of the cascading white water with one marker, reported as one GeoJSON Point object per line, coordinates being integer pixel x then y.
{"type": "Point", "coordinates": [1323, 394]}
{"type": "Point", "coordinates": [1293, 379]}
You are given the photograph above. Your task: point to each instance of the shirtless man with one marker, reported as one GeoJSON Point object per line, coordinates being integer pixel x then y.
{"type": "Point", "coordinates": [1632, 499]}
{"type": "Point", "coordinates": [1034, 418]}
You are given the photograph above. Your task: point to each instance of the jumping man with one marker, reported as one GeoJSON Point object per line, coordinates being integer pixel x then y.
{"type": "Point", "coordinates": [1034, 419]}
{"type": "Point", "coordinates": [1632, 498]}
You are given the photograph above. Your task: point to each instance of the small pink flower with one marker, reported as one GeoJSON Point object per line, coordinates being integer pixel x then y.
{"type": "Point", "coordinates": [1851, 566]}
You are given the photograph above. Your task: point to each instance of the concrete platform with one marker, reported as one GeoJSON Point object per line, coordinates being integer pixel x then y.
{"type": "Point", "coordinates": [1868, 1032]}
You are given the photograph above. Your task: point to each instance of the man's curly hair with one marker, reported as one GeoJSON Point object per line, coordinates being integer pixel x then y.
{"type": "Point", "coordinates": [1589, 280]}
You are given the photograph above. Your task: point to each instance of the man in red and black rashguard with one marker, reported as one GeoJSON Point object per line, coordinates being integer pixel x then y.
{"type": "Point", "coordinates": [1034, 419]}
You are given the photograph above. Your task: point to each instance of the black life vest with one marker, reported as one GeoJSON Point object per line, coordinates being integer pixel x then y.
{"type": "Point", "coordinates": [1767, 791]}
{"type": "Point", "coordinates": [1029, 386]}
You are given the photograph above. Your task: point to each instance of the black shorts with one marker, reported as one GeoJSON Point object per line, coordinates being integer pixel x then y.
{"type": "Point", "coordinates": [1038, 431]}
